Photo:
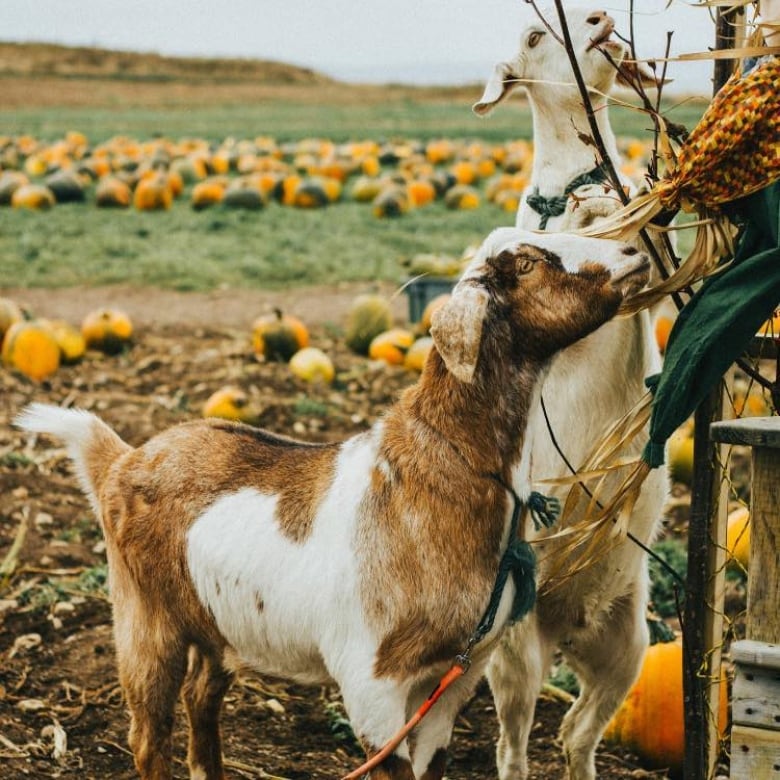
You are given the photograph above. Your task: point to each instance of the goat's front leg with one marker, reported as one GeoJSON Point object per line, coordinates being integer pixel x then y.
{"type": "Point", "coordinates": [606, 665]}
{"type": "Point", "coordinates": [431, 738]}
{"type": "Point", "coordinates": [516, 672]}
{"type": "Point", "coordinates": [377, 711]}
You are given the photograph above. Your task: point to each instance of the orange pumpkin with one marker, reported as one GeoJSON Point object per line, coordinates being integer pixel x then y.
{"type": "Point", "coordinates": [391, 346]}
{"type": "Point", "coordinates": [278, 336]}
{"type": "Point", "coordinates": [462, 196]}
{"type": "Point", "coordinates": [153, 193]}
{"type": "Point", "coordinates": [650, 720]}
{"type": "Point", "coordinates": [418, 353]}
{"type": "Point", "coordinates": [738, 539]}
{"type": "Point", "coordinates": [33, 196]}
{"type": "Point", "coordinates": [421, 192]}
{"type": "Point", "coordinates": [30, 348]}
{"type": "Point", "coordinates": [112, 192]}
{"type": "Point", "coordinates": [69, 339]}
{"type": "Point", "coordinates": [207, 193]}
{"type": "Point", "coordinates": [107, 330]}
{"type": "Point", "coordinates": [229, 403]}
{"type": "Point", "coordinates": [663, 327]}
{"type": "Point", "coordinates": [465, 172]}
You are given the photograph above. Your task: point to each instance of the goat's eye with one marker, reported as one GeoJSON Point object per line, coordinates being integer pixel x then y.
{"type": "Point", "coordinates": [534, 38]}
{"type": "Point", "coordinates": [526, 265]}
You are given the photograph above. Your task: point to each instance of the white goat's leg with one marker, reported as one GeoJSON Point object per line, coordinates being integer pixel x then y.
{"type": "Point", "coordinates": [603, 682]}
{"type": "Point", "coordinates": [432, 737]}
{"type": "Point", "coordinates": [516, 673]}
{"type": "Point", "coordinates": [377, 711]}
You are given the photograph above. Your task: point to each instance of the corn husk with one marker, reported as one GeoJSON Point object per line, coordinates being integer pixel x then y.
{"type": "Point", "coordinates": [733, 152]}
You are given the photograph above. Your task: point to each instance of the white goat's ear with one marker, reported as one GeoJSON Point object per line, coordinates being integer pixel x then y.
{"type": "Point", "coordinates": [500, 85]}
{"type": "Point", "coordinates": [457, 330]}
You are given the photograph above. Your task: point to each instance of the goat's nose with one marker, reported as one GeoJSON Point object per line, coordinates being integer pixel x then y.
{"type": "Point", "coordinates": [630, 250]}
{"type": "Point", "coordinates": [596, 17]}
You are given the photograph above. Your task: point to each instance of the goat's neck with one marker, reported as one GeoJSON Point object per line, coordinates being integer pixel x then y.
{"type": "Point", "coordinates": [559, 154]}
{"type": "Point", "coordinates": [482, 423]}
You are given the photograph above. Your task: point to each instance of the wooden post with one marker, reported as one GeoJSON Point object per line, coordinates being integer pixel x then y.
{"type": "Point", "coordinates": [755, 733]}
{"type": "Point", "coordinates": [702, 619]}
{"type": "Point", "coordinates": [703, 613]}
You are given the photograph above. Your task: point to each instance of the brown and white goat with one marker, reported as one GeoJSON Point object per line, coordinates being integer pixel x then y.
{"type": "Point", "coordinates": [369, 562]}
{"type": "Point", "coordinates": [597, 618]}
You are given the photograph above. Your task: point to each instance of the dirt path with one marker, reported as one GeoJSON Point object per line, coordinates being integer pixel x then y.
{"type": "Point", "coordinates": [228, 308]}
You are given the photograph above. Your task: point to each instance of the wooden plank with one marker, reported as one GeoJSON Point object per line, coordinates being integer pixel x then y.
{"type": "Point", "coordinates": [755, 699]}
{"type": "Point", "coordinates": [748, 652]}
{"type": "Point", "coordinates": [763, 616]}
{"type": "Point", "coordinates": [755, 753]}
{"type": "Point", "coordinates": [750, 431]}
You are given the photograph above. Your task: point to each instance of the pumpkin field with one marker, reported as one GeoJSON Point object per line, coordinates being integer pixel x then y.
{"type": "Point", "coordinates": [213, 225]}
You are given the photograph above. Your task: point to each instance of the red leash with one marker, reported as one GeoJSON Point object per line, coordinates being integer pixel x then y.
{"type": "Point", "coordinates": [456, 671]}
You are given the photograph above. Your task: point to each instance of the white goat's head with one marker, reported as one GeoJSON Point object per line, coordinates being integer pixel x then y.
{"type": "Point", "coordinates": [529, 295]}
{"type": "Point", "coordinates": [542, 64]}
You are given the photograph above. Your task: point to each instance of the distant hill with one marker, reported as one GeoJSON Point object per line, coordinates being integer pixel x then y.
{"type": "Point", "coordinates": [83, 62]}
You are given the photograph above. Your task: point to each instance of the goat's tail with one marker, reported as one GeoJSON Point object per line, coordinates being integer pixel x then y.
{"type": "Point", "coordinates": [92, 445]}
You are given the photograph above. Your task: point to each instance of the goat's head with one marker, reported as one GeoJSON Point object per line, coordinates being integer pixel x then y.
{"type": "Point", "coordinates": [542, 65]}
{"type": "Point", "coordinates": [528, 295]}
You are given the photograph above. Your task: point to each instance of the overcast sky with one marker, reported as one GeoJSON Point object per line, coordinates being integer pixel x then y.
{"type": "Point", "coordinates": [423, 41]}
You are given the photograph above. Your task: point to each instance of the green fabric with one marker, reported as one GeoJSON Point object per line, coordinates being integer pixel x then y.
{"type": "Point", "coordinates": [714, 327]}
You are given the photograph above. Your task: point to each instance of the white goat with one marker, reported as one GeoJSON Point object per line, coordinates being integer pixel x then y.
{"type": "Point", "coordinates": [597, 618]}
{"type": "Point", "coordinates": [367, 563]}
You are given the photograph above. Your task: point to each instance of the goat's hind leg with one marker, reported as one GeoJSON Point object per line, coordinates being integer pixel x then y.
{"type": "Point", "coordinates": [606, 665]}
{"type": "Point", "coordinates": [516, 672]}
{"type": "Point", "coordinates": [151, 671]}
{"type": "Point", "coordinates": [204, 689]}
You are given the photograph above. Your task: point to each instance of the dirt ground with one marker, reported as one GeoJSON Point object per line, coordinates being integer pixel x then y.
{"type": "Point", "coordinates": [61, 710]}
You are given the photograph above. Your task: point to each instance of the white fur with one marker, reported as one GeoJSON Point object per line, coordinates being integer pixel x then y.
{"type": "Point", "coordinates": [237, 553]}
{"type": "Point", "coordinates": [75, 427]}
{"type": "Point", "coordinates": [590, 385]}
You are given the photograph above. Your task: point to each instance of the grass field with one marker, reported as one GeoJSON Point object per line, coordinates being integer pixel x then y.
{"type": "Point", "coordinates": [183, 249]}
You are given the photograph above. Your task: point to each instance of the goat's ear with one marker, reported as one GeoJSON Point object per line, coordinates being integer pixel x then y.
{"type": "Point", "coordinates": [457, 330]}
{"type": "Point", "coordinates": [500, 85]}
{"type": "Point", "coordinates": [629, 73]}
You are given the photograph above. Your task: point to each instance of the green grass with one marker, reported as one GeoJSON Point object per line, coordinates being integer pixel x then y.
{"type": "Point", "coordinates": [292, 120]}
{"type": "Point", "coordinates": [187, 250]}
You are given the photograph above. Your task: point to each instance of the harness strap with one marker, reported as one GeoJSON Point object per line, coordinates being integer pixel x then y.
{"type": "Point", "coordinates": [555, 206]}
